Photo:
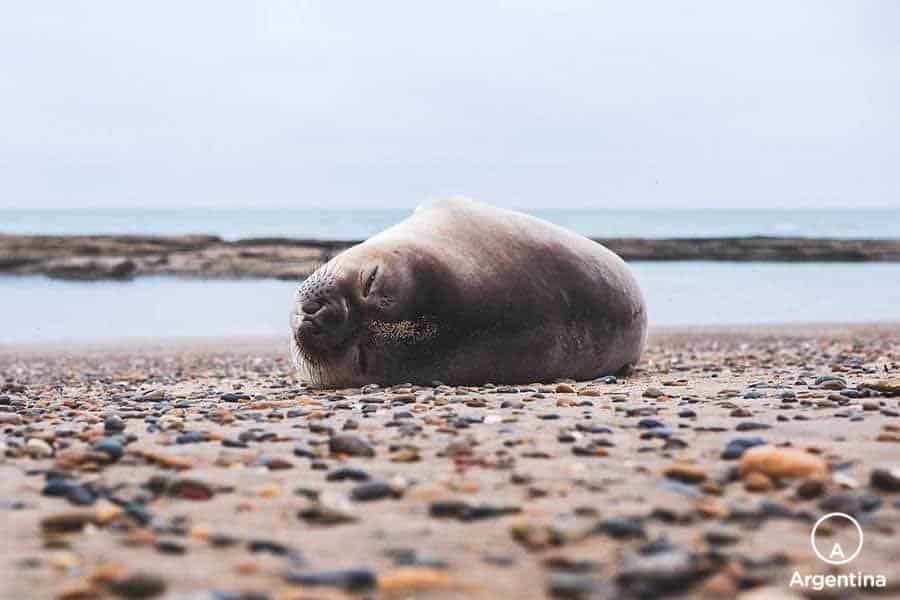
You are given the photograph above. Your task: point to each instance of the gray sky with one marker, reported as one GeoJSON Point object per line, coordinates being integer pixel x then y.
{"type": "Point", "coordinates": [299, 103]}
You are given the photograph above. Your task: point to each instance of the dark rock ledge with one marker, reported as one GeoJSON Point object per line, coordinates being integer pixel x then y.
{"type": "Point", "coordinates": [95, 257]}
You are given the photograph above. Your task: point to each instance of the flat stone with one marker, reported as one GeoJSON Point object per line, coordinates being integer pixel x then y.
{"type": "Point", "coordinates": [350, 445]}
{"type": "Point", "coordinates": [785, 463]}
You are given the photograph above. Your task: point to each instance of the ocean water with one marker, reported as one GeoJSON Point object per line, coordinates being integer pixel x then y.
{"type": "Point", "coordinates": [360, 224]}
{"type": "Point", "coordinates": [36, 309]}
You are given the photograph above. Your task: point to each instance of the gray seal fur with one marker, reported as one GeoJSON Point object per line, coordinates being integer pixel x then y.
{"type": "Point", "coordinates": [465, 293]}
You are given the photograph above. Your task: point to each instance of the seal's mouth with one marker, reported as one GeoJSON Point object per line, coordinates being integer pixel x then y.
{"type": "Point", "coordinates": [324, 340]}
{"type": "Point", "coordinates": [326, 329]}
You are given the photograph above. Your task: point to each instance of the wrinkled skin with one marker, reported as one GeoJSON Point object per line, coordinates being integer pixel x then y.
{"type": "Point", "coordinates": [465, 293]}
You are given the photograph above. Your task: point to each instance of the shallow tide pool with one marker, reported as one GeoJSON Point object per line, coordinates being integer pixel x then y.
{"type": "Point", "coordinates": [37, 309]}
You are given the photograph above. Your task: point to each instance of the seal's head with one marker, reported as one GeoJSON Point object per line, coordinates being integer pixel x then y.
{"type": "Point", "coordinates": [362, 315]}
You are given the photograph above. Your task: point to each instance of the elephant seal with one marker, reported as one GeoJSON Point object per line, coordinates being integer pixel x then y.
{"type": "Point", "coordinates": [465, 293]}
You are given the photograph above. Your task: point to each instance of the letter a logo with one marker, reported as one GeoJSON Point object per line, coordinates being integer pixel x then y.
{"type": "Point", "coordinates": [837, 555]}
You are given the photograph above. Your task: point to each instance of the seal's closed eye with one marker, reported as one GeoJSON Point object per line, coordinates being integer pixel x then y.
{"type": "Point", "coordinates": [370, 281]}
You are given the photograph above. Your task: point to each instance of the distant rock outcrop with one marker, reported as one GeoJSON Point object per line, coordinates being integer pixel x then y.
{"type": "Point", "coordinates": [95, 257]}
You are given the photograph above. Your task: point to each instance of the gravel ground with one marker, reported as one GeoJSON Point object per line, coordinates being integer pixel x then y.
{"type": "Point", "coordinates": [207, 470]}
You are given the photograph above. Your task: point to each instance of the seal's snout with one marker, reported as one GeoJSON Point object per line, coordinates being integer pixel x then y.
{"type": "Point", "coordinates": [324, 324]}
{"type": "Point", "coordinates": [322, 318]}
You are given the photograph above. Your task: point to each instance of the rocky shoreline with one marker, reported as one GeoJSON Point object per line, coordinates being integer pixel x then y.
{"type": "Point", "coordinates": [101, 257]}
{"type": "Point", "coordinates": [167, 470]}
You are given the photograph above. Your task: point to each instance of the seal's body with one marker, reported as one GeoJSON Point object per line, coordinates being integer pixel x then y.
{"type": "Point", "coordinates": [465, 293]}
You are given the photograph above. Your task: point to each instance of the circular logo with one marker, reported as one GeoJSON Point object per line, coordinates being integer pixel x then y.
{"type": "Point", "coordinates": [836, 554]}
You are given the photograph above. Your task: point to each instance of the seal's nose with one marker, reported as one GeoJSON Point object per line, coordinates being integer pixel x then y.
{"type": "Point", "coordinates": [325, 323]}
{"type": "Point", "coordinates": [311, 307]}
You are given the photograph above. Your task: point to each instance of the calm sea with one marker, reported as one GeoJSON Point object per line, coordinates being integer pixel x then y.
{"type": "Point", "coordinates": [36, 309]}
{"type": "Point", "coordinates": [360, 224]}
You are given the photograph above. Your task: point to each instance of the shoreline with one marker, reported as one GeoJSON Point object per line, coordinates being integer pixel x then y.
{"type": "Point", "coordinates": [266, 343]}
{"type": "Point", "coordinates": [124, 257]}
{"type": "Point", "coordinates": [196, 465]}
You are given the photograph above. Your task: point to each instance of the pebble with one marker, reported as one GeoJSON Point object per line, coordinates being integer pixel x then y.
{"type": "Point", "coordinates": [347, 474]}
{"type": "Point", "coordinates": [190, 489]}
{"type": "Point", "coordinates": [577, 585]}
{"type": "Point", "coordinates": [111, 447]}
{"type": "Point", "coordinates": [721, 536]}
{"type": "Point", "coordinates": [751, 426]}
{"type": "Point", "coordinates": [411, 580]}
{"type": "Point", "coordinates": [889, 387]}
{"type": "Point", "coordinates": [152, 396]}
{"type": "Point", "coordinates": [373, 490]}
{"type": "Point", "coordinates": [849, 503]}
{"type": "Point", "coordinates": [785, 463]}
{"type": "Point", "coordinates": [38, 448]}
{"type": "Point", "coordinates": [757, 482]}
{"type": "Point", "coordinates": [659, 570]}
{"type": "Point", "coordinates": [515, 404]}
{"type": "Point", "coordinates": [68, 522]}
{"type": "Point", "coordinates": [830, 382]}
{"type": "Point", "coordinates": [350, 445]}
{"type": "Point", "coordinates": [192, 437]}
{"type": "Point", "coordinates": [10, 419]}
{"type": "Point", "coordinates": [268, 547]}
{"type": "Point", "coordinates": [886, 480]}
{"type": "Point", "coordinates": [275, 463]}
{"type": "Point", "coordinates": [811, 488]}
{"type": "Point", "coordinates": [354, 580]}
{"type": "Point", "coordinates": [410, 557]}
{"type": "Point", "coordinates": [303, 451]}
{"type": "Point", "coordinates": [595, 448]}
{"type": "Point", "coordinates": [686, 473]}
{"type": "Point", "coordinates": [463, 511]}
{"type": "Point", "coordinates": [113, 424]}
{"type": "Point", "coordinates": [736, 447]}
{"type": "Point", "coordinates": [621, 528]}
{"type": "Point", "coordinates": [170, 547]}
{"type": "Point", "coordinates": [138, 585]}
{"type": "Point", "coordinates": [329, 511]}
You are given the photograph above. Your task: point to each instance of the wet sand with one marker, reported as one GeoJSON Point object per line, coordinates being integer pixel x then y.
{"type": "Point", "coordinates": [205, 469]}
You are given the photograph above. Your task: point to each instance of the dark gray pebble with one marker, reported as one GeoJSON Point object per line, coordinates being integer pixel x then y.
{"type": "Point", "coordinates": [113, 424]}
{"type": "Point", "coordinates": [347, 473]}
{"type": "Point", "coordinates": [138, 585]}
{"type": "Point", "coordinates": [736, 447]}
{"type": "Point", "coordinates": [751, 426]}
{"type": "Point", "coordinates": [621, 528]}
{"type": "Point", "coordinates": [462, 511]}
{"type": "Point", "coordinates": [885, 480]}
{"type": "Point", "coordinates": [374, 490]}
{"type": "Point", "coordinates": [192, 437]}
{"type": "Point", "coordinates": [352, 579]}
{"type": "Point", "coordinates": [111, 447]}
{"type": "Point", "coordinates": [350, 445]}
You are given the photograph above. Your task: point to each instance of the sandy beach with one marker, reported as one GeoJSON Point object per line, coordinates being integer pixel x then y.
{"type": "Point", "coordinates": [205, 469]}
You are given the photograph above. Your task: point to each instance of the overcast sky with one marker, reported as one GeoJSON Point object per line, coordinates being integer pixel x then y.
{"type": "Point", "coordinates": [586, 104]}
